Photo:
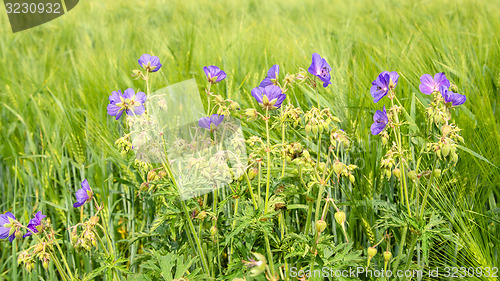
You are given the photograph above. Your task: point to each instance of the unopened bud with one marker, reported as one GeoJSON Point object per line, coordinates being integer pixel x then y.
{"type": "Point", "coordinates": [397, 173]}
{"type": "Point", "coordinates": [234, 105]}
{"type": "Point", "coordinates": [436, 173]}
{"type": "Point", "coordinates": [387, 256]}
{"type": "Point", "coordinates": [152, 175]}
{"type": "Point", "coordinates": [308, 129]}
{"type": "Point", "coordinates": [213, 231]}
{"type": "Point", "coordinates": [340, 217]}
{"type": "Point", "coordinates": [202, 215]}
{"type": "Point", "coordinates": [19, 234]}
{"type": "Point", "coordinates": [253, 172]}
{"type": "Point", "coordinates": [251, 114]}
{"type": "Point", "coordinates": [320, 226]}
{"type": "Point", "coordinates": [454, 88]}
{"type": "Point", "coordinates": [371, 251]}
{"type": "Point", "coordinates": [45, 264]}
{"type": "Point", "coordinates": [412, 175]}
{"type": "Point", "coordinates": [338, 167]}
{"type": "Point", "coordinates": [445, 150]}
{"type": "Point", "coordinates": [352, 179]}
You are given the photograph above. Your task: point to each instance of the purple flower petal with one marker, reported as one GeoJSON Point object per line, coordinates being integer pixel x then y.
{"type": "Point", "coordinates": [257, 94]}
{"type": "Point", "coordinates": [204, 122]}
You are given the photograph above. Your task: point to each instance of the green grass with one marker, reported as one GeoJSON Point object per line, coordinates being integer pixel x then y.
{"type": "Point", "coordinates": [55, 80]}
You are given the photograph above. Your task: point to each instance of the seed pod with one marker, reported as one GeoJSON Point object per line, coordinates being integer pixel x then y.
{"type": "Point", "coordinates": [29, 266]}
{"type": "Point", "coordinates": [340, 217]}
{"type": "Point", "coordinates": [162, 174]}
{"type": "Point", "coordinates": [320, 226]}
{"type": "Point", "coordinates": [384, 140]}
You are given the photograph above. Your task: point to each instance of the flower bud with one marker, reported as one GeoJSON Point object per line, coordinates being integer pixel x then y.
{"type": "Point", "coordinates": [252, 173]}
{"type": "Point", "coordinates": [320, 226]}
{"type": "Point", "coordinates": [218, 99]}
{"type": "Point", "coordinates": [202, 215]}
{"type": "Point", "coordinates": [162, 174]}
{"type": "Point", "coordinates": [340, 217]}
{"type": "Point", "coordinates": [136, 73]}
{"type": "Point", "coordinates": [446, 129]}
{"type": "Point", "coordinates": [94, 220]}
{"type": "Point", "coordinates": [322, 167]}
{"type": "Point", "coordinates": [152, 175]}
{"type": "Point", "coordinates": [29, 266]}
{"type": "Point", "coordinates": [45, 264]}
{"type": "Point", "coordinates": [213, 231]}
{"type": "Point", "coordinates": [436, 173]}
{"type": "Point", "coordinates": [351, 178]}
{"type": "Point", "coordinates": [384, 140]}
{"type": "Point", "coordinates": [445, 150]}
{"type": "Point", "coordinates": [144, 186]}
{"type": "Point", "coordinates": [454, 88]}
{"type": "Point", "coordinates": [306, 154]}
{"type": "Point", "coordinates": [397, 173]}
{"type": "Point", "coordinates": [338, 167]}
{"type": "Point", "coordinates": [371, 251]}
{"type": "Point", "coordinates": [387, 256]}
{"type": "Point", "coordinates": [251, 114]}
{"type": "Point", "coordinates": [387, 173]}
{"type": "Point", "coordinates": [314, 129]}
{"type": "Point", "coordinates": [19, 234]}
{"type": "Point", "coordinates": [308, 129]}
{"type": "Point", "coordinates": [234, 105]}
{"type": "Point", "coordinates": [74, 237]}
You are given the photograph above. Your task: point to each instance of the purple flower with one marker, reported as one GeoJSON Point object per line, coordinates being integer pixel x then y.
{"type": "Point", "coordinates": [150, 63]}
{"type": "Point", "coordinates": [385, 81]}
{"type": "Point", "coordinates": [320, 68]}
{"type": "Point", "coordinates": [8, 225]}
{"type": "Point", "coordinates": [214, 74]}
{"type": "Point", "coordinates": [83, 194]}
{"type": "Point", "coordinates": [34, 222]}
{"type": "Point", "coordinates": [212, 122]}
{"type": "Point", "coordinates": [449, 96]}
{"type": "Point", "coordinates": [129, 101]}
{"type": "Point", "coordinates": [380, 120]}
{"type": "Point", "coordinates": [272, 76]}
{"type": "Point", "coordinates": [269, 97]}
{"type": "Point", "coordinates": [429, 85]}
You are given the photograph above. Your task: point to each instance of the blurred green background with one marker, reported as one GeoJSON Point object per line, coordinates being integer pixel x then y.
{"type": "Point", "coordinates": [55, 80]}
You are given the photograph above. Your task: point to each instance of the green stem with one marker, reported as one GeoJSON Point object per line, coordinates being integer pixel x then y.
{"type": "Point", "coordinates": [268, 183]}
{"type": "Point", "coordinates": [318, 202]}
{"type": "Point", "coordinates": [427, 190]}
{"type": "Point", "coordinates": [208, 97]}
{"type": "Point", "coordinates": [404, 186]}
{"type": "Point", "coordinates": [283, 129]}
{"type": "Point", "coordinates": [196, 238]}
{"type": "Point", "coordinates": [268, 155]}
